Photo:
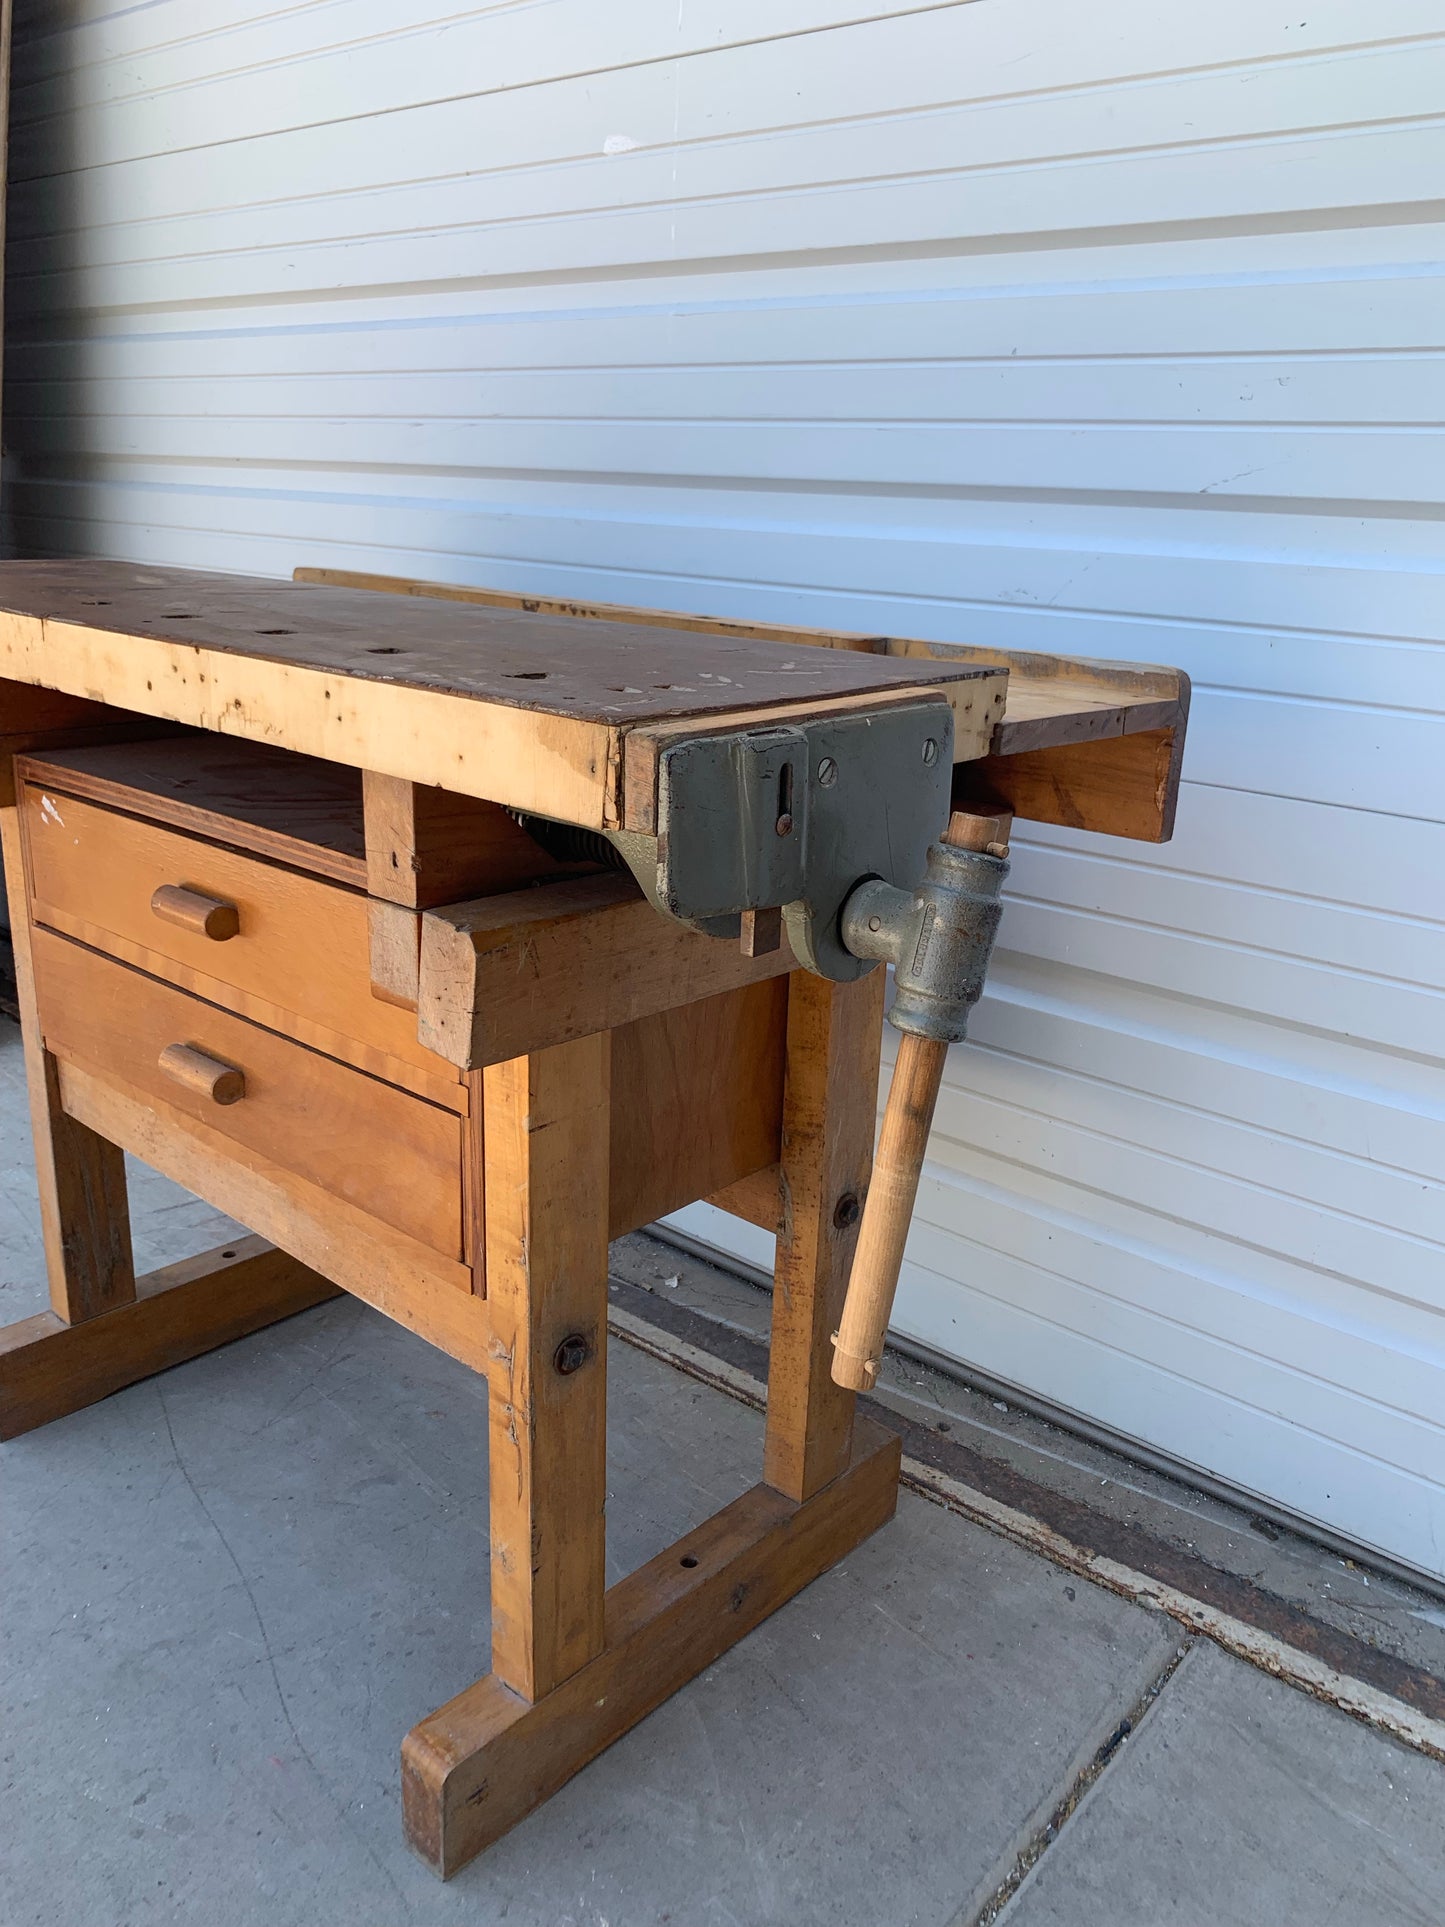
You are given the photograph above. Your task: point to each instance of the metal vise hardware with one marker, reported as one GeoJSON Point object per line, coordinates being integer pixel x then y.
{"type": "Point", "coordinates": [793, 815]}
{"type": "Point", "coordinates": [938, 937]}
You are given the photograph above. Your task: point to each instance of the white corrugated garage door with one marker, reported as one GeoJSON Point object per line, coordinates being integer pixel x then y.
{"type": "Point", "coordinates": [1112, 330]}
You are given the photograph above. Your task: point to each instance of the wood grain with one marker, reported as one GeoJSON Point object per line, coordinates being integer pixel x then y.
{"type": "Point", "coordinates": [829, 1107]}
{"type": "Point", "coordinates": [1051, 702]}
{"type": "Point", "coordinates": [484, 1760]}
{"type": "Point", "coordinates": [417, 1287]}
{"type": "Point", "coordinates": [523, 709]}
{"type": "Point", "coordinates": [302, 945]}
{"type": "Point", "coordinates": [546, 1122]}
{"type": "Point", "coordinates": [1118, 786]}
{"type": "Point", "coordinates": [697, 1100]}
{"type": "Point", "coordinates": [426, 846]}
{"type": "Point", "coordinates": [513, 973]}
{"type": "Point", "coordinates": [382, 1150]}
{"type": "Point", "coordinates": [251, 796]}
{"type": "Point", "coordinates": [84, 1211]}
{"type": "Point", "coordinates": [49, 1368]}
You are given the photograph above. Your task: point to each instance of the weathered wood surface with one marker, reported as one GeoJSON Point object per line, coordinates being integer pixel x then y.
{"type": "Point", "coordinates": [1052, 702]}
{"type": "Point", "coordinates": [528, 710]}
{"type": "Point", "coordinates": [547, 1131]}
{"type": "Point", "coordinates": [537, 967]}
{"type": "Point", "coordinates": [287, 808]}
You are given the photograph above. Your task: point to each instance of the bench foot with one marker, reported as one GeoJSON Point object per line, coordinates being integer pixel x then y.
{"type": "Point", "coordinates": [482, 1762]}
{"type": "Point", "coordinates": [49, 1368]}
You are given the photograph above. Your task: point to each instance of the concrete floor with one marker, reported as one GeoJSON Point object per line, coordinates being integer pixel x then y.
{"type": "Point", "coordinates": [228, 1592]}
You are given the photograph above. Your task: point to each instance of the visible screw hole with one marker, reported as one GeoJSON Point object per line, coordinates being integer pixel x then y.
{"type": "Point", "coordinates": [270, 632]}
{"type": "Point", "coordinates": [528, 675]}
{"type": "Point", "coordinates": [387, 651]}
{"type": "Point", "coordinates": [847, 1211]}
{"type": "Point", "coordinates": [228, 1254]}
{"type": "Point", "coordinates": [688, 1561]}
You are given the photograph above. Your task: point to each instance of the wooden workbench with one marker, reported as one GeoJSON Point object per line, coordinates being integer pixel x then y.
{"type": "Point", "coordinates": [279, 934]}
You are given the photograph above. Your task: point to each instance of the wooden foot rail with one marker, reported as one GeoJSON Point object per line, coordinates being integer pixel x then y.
{"type": "Point", "coordinates": [483, 1761]}
{"type": "Point", "coordinates": [49, 1368]}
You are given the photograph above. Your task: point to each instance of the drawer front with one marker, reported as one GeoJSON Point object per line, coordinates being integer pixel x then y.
{"type": "Point", "coordinates": [299, 945]}
{"type": "Point", "coordinates": [381, 1150]}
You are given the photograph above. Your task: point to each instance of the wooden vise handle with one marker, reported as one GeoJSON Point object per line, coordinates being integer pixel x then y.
{"type": "Point", "coordinates": [888, 1211]}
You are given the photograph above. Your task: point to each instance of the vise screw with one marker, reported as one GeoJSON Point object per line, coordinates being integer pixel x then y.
{"type": "Point", "coordinates": [938, 938]}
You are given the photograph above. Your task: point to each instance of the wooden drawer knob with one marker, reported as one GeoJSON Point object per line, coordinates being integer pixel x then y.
{"type": "Point", "coordinates": [192, 910]}
{"type": "Point", "coordinates": [207, 1076]}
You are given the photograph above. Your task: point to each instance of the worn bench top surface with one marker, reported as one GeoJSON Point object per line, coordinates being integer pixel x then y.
{"type": "Point", "coordinates": [612, 673]}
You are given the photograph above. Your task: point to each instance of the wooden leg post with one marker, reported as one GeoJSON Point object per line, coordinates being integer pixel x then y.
{"type": "Point", "coordinates": [574, 1669]}
{"type": "Point", "coordinates": [830, 1100]}
{"type": "Point", "coordinates": [546, 1129]}
{"type": "Point", "coordinates": [84, 1214]}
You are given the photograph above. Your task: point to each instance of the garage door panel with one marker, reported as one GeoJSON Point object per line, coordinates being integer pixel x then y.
{"type": "Point", "coordinates": [1317, 1475]}
{"type": "Point", "coordinates": [1110, 335]}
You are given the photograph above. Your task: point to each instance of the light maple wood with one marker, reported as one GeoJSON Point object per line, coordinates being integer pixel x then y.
{"type": "Point", "coordinates": [393, 952]}
{"type": "Point", "coordinates": [428, 1294]}
{"type": "Point", "coordinates": [829, 1106]}
{"type": "Point", "coordinates": [902, 1146]}
{"type": "Point", "coordinates": [523, 709]}
{"type": "Point", "coordinates": [201, 1075]}
{"type": "Point", "coordinates": [483, 1761]}
{"type": "Point", "coordinates": [1052, 702]}
{"type": "Point", "coordinates": [547, 1128]}
{"type": "Point", "coordinates": [270, 802]}
{"type": "Point", "coordinates": [697, 1098]}
{"type": "Point", "coordinates": [80, 1176]}
{"type": "Point", "coordinates": [426, 846]}
{"type": "Point", "coordinates": [301, 945]}
{"type": "Point", "coordinates": [519, 972]}
{"type": "Point", "coordinates": [382, 1150]}
{"type": "Point", "coordinates": [1118, 786]}
{"type": "Point", "coordinates": [757, 1198]}
{"type": "Point", "coordinates": [34, 718]}
{"type": "Point", "coordinates": [192, 910]}
{"type": "Point", "coordinates": [49, 1368]}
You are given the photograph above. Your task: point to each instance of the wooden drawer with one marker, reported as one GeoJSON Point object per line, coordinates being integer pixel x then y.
{"type": "Point", "coordinates": [298, 961]}
{"type": "Point", "coordinates": [381, 1150]}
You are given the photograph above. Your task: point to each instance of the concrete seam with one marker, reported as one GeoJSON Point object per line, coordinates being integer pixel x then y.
{"type": "Point", "coordinates": [1083, 1781]}
{"type": "Point", "coordinates": [1371, 1705]}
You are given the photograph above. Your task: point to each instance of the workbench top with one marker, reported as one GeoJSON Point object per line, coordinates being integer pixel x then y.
{"type": "Point", "coordinates": [611, 673]}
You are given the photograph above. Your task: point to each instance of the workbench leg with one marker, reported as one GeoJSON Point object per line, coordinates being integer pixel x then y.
{"type": "Point", "coordinates": [84, 1212]}
{"type": "Point", "coordinates": [106, 1328]}
{"type": "Point", "coordinates": [830, 1104]}
{"type": "Point", "coordinates": [574, 1668]}
{"type": "Point", "coordinates": [547, 1131]}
